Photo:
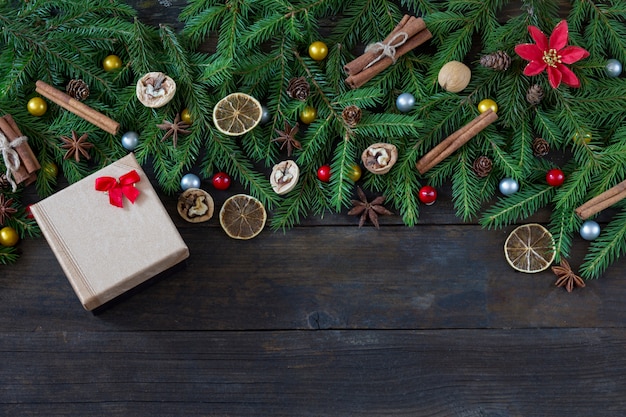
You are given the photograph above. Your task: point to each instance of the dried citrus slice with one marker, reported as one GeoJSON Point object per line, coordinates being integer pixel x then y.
{"type": "Point", "coordinates": [530, 248]}
{"type": "Point", "coordinates": [236, 114]}
{"type": "Point", "coordinates": [242, 216]}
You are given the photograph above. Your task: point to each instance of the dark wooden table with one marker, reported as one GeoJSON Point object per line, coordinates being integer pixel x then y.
{"type": "Point", "coordinates": [324, 320]}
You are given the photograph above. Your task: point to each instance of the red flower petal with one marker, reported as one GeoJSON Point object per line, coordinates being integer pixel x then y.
{"type": "Point", "coordinates": [572, 54]}
{"type": "Point", "coordinates": [534, 68]}
{"type": "Point", "coordinates": [554, 76]}
{"type": "Point", "coordinates": [529, 51]}
{"type": "Point", "coordinates": [539, 37]}
{"type": "Point", "coordinates": [569, 77]}
{"type": "Point", "coordinates": [559, 36]}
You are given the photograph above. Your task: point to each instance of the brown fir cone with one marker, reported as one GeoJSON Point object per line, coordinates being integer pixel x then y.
{"type": "Point", "coordinates": [498, 61]}
{"type": "Point", "coordinates": [482, 166]}
{"type": "Point", "coordinates": [298, 88]}
{"type": "Point", "coordinates": [77, 89]}
{"type": "Point", "coordinates": [541, 147]}
{"type": "Point", "coordinates": [351, 115]}
{"type": "Point", "coordinates": [534, 94]}
{"type": "Point", "coordinates": [4, 182]}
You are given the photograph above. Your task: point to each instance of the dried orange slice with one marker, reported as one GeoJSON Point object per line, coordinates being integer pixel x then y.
{"type": "Point", "coordinates": [530, 248]}
{"type": "Point", "coordinates": [236, 114]}
{"type": "Point", "coordinates": [242, 216]}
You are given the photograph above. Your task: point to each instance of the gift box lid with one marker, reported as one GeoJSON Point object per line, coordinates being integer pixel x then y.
{"type": "Point", "coordinates": [103, 249]}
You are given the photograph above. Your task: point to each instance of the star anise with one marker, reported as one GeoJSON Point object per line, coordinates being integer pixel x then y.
{"type": "Point", "coordinates": [6, 209]}
{"type": "Point", "coordinates": [288, 139]}
{"type": "Point", "coordinates": [566, 277]}
{"type": "Point", "coordinates": [174, 128]}
{"type": "Point", "coordinates": [76, 146]}
{"type": "Point", "coordinates": [368, 210]}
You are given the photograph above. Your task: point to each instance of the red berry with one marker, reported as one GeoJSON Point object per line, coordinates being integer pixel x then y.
{"type": "Point", "coordinates": [323, 173]}
{"type": "Point", "coordinates": [555, 177]}
{"type": "Point", "coordinates": [221, 181]}
{"type": "Point", "coordinates": [428, 195]}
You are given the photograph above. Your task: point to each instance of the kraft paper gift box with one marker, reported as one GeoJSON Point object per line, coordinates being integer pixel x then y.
{"type": "Point", "coordinates": [103, 249]}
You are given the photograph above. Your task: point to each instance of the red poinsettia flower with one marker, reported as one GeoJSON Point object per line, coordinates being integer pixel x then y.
{"type": "Point", "coordinates": [552, 54]}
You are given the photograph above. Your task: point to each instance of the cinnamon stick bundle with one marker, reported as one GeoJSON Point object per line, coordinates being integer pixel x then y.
{"type": "Point", "coordinates": [453, 142]}
{"type": "Point", "coordinates": [408, 34]}
{"type": "Point", "coordinates": [28, 164]}
{"type": "Point", "coordinates": [602, 201]}
{"type": "Point", "coordinates": [78, 108]}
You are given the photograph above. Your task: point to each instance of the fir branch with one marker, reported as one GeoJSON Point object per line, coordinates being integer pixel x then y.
{"type": "Point", "coordinates": [606, 249]}
{"type": "Point", "coordinates": [528, 200]}
{"type": "Point", "coordinates": [464, 186]}
{"type": "Point", "coordinates": [8, 255]}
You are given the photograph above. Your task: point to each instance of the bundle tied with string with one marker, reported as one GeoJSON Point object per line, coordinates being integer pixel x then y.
{"type": "Point", "coordinates": [408, 34]}
{"type": "Point", "coordinates": [17, 156]}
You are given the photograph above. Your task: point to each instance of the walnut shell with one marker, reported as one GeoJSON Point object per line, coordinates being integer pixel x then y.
{"type": "Point", "coordinates": [454, 76]}
{"type": "Point", "coordinates": [379, 157]}
{"type": "Point", "coordinates": [155, 89]}
{"type": "Point", "coordinates": [195, 205]}
{"type": "Point", "coordinates": [284, 176]}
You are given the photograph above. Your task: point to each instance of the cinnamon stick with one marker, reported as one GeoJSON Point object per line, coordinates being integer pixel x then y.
{"type": "Point", "coordinates": [602, 201]}
{"type": "Point", "coordinates": [78, 108]}
{"type": "Point", "coordinates": [12, 132]}
{"type": "Point", "coordinates": [453, 142]}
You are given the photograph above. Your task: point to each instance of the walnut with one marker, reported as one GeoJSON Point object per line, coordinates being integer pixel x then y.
{"type": "Point", "coordinates": [284, 176]}
{"type": "Point", "coordinates": [379, 157]}
{"type": "Point", "coordinates": [155, 89]}
{"type": "Point", "coordinates": [454, 76]}
{"type": "Point", "coordinates": [195, 205]}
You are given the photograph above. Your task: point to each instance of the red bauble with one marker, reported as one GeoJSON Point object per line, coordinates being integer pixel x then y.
{"type": "Point", "coordinates": [323, 173]}
{"type": "Point", "coordinates": [555, 177]}
{"type": "Point", "coordinates": [221, 181]}
{"type": "Point", "coordinates": [428, 195]}
{"type": "Point", "coordinates": [29, 214]}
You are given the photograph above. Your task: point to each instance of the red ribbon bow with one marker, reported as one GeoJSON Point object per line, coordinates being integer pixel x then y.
{"type": "Point", "coordinates": [117, 190]}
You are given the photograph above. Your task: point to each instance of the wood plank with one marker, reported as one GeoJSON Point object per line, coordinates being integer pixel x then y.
{"type": "Point", "coordinates": [530, 372]}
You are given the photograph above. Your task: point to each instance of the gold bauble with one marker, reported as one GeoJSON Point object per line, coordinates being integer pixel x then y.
{"type": "Point", "coordinates": [318, 50]}
{"type": "Point", "coordinates": [454, 76]}
{"type": "Point", "coordinates": [111, 62]}
{"type": "Point", "coordinates": [185, 116]}
{"type": "Point", "coordinates": [37, 106]}
{"type": "Point", "coordinates": [51, 169]}
{"type": "Point", "coordinates": [487, 104]}
{"type": "Point", "coordinates": [307, 115]}
{"type": "Point", "coordinates": [8, 236]}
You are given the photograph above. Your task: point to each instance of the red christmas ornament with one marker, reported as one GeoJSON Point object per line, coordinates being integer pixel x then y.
{"type": "Point", "coordinates": [555, 177]}
{"type": "Point", "coordinates": [221, 181]}
{"type": "Point", "coordinates": [323, 173]}
{"type": "Point", "coordinates": [551, 55]}
{"type": "Point", "coordinates": [427, 195]}
{"type": "Point", "coordinates": [29, 214]}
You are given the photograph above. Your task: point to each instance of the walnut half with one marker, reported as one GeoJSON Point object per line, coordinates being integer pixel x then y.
{"type": "Point", "coordinates": [379, 157]}
{"type": "Point", "coordinates": [284, 176]}
{"type": "Point", "coordinates": [155, 89]}
{"type": "Point", "coordinates": [195, 205]}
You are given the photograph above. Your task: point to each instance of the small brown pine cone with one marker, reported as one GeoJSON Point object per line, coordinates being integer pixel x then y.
{"type": "Point", "coordinates": [77, 89]}
{"type": "Point", "coordinates": [541, 147]}
{"type": "Point", "coordinates": [482, 166]}
{"type": "Point", "coordinates": [534, 94]}
{"type": "Point", "coordinates": [298, 88]}
{"type": "Point", "coordinates": [351, 115]}
{"type": "Point", "coordinates": [4, 182]}
{"type": "Point", "coordinates": [498, 61]}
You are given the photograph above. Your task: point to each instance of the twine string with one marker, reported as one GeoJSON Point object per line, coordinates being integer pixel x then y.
{"type": "Point", "coordinates": [387, 49]}
{"type": "Point", "coordinates": [10, 156]}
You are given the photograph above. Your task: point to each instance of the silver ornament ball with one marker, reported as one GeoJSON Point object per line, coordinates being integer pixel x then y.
{"type": "Point", "coordinates": [189, 181]}
{"type": "Point", "coordinates": [265, 115]}
{"type": "Point", "coordinates": [405, 102]}
{"type": "Point", "coordinates": [590, 230]}
{"type": "Point", "coordinates": [508, 186]}
{"type": "Point", "coordinates": [130, 140]}
{"type": "Point", "coordinates": [613, 68]}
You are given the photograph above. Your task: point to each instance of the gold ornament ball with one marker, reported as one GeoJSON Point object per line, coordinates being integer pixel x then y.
{"type": "Point", "coordinates": [185, 116]}
{"type": "Point", "coordinates": [37, 106]}
{"type": "Point", "coordinates": [308, 114]}
{"type": "Point", "coordinates": [51, 169]}
{"type": "Point", "coordinates": [487, 104]}
{"type": "Point", "coordinates": [355, 172]}
{"type": "Point", "coordinates": [454, 76]}
{"type": "Point", "coordinates": [585, 136]}
{"type": "Point", "coordinates": [318, 50]}
{"type": "Point", "coordinates": [8, 236]}
{"type": "Point", "coordinates": [111, 63]}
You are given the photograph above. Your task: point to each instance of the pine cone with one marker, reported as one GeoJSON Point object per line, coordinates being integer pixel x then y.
{"type": "Point", "coordinates": [482, 166]}
{"type": "Point", "coordinates": [4, 182]}
{"type": "Point", "coordinates": [77, 89]}
{"type": "Point", "coordinates": [298, 88]}
{"type": "Point", "coordinates": [498, 61]}
{"type": "Point", "coordinates": [351, 115]}
{"type": "Point", "coordinates": [534, 94]}
{"type": "Point", "coordinates": [541, 147]}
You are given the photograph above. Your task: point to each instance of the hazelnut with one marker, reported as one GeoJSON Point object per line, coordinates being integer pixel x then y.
{"type": "Point", "coordinates": [379, 157]}
{"type": "Point", "coordinates": [284, 176]}
{"type": "Point", "coordinates": [155, 89]}
{"type": "Point", "coordinates": [195, 205]}
{"type": "Point", "coordinates": [454, 76]}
